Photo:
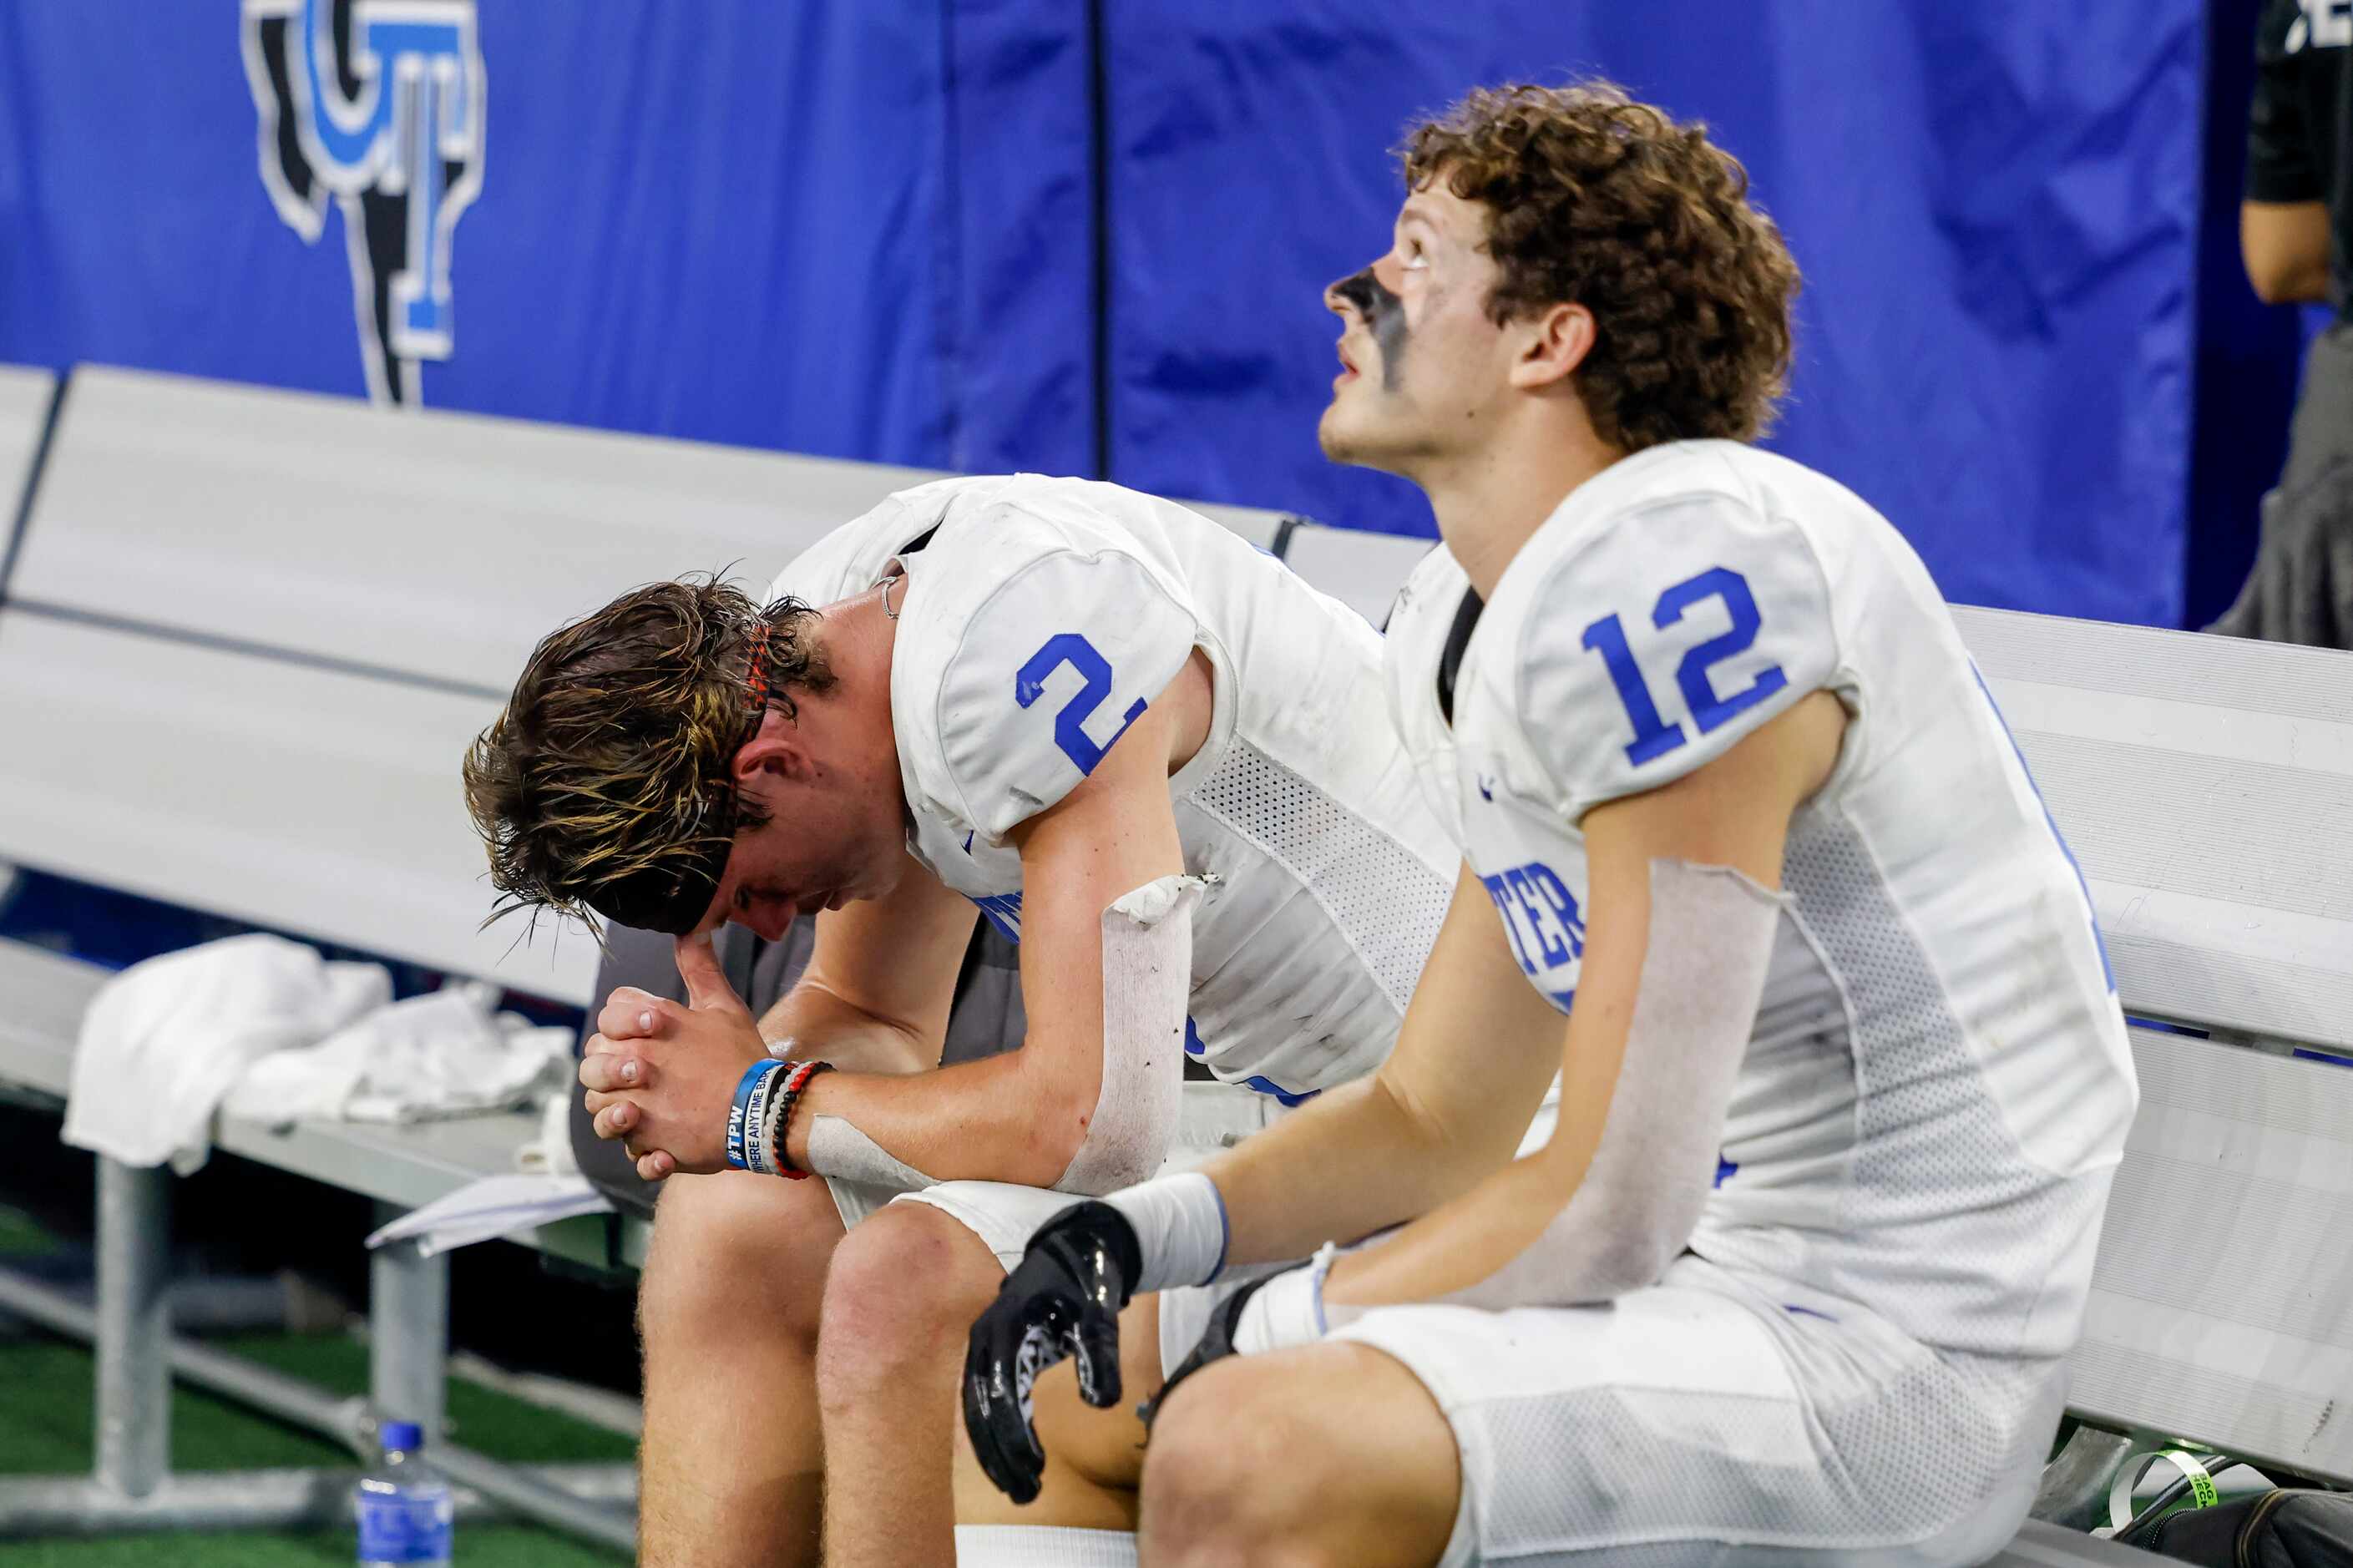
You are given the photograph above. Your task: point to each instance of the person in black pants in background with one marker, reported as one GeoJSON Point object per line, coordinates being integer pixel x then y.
{"type": "Point", "coordinates": [2295, 232]}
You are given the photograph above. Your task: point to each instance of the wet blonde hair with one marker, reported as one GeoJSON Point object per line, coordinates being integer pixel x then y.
{"type": "Point", "coordinates": [605, 786]}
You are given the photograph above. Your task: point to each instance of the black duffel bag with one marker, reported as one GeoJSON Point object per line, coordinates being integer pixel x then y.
{"type": "Point", "coordinates": [2285, 1528]}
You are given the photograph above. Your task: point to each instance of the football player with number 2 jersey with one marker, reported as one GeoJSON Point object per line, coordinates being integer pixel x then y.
{"type": "Point", "coordinates": [1749, 858]}
{"type": "Point", "coordinates": [1139, 746]}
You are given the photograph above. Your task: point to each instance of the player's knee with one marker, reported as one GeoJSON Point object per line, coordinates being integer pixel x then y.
{"type": "Point", "coordinates": [903, 1292]}
{"type": "Point", "coordinates": [734, 1254]}
{"type": "Point", "coordinates": [1232, 1475]}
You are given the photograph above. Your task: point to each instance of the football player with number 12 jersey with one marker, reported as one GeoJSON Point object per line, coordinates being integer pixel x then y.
{"type": "Point", "coordinates": [1749, 858]}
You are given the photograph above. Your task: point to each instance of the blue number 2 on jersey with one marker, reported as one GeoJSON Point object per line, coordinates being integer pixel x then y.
{"type": "Point", "coordinates": [1654, 736]}
{"type": "Point", "coordinates": [1070, 733]}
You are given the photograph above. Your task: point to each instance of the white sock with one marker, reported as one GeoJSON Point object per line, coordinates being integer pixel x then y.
{"type": "Point", "coordinates": [1043, 1546]}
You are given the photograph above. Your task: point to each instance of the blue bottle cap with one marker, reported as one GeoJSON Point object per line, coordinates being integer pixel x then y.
{"type": "Point", "coordinates": [401, 1434]}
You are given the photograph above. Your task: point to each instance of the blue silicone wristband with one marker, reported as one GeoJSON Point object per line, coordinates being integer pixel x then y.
{"type": "Point", "coordinates": [747, 1089]}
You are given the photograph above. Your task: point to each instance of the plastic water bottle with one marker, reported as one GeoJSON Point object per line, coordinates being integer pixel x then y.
{"type": "Point", "coordinates": [405, 1512]}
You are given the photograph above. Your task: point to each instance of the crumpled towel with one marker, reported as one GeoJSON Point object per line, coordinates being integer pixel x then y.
{"type": "Point", "coordinates": [163, 1040]}
{"type": "Point", "coordinates": [442, 1055]}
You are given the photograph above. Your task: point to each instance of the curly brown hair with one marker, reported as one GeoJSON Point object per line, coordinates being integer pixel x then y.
{"type": "Point", "coordinates": [605, 785]}
{"type": "Point", "coordinates": [1596, 199]}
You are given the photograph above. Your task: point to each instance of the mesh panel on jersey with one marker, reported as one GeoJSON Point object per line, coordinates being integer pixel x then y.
{"type": "Point", "coordinates": [1941, 1198]}
{"type": "Point", "coordinates": [1384, 901]}
{"type": "Point", "coordinates": [1614, 1473]}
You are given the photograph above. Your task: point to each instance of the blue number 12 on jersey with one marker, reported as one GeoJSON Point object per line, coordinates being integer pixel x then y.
{"type": "Point", "coordinates": [1070, 733]}
{"type": "Point", "coordinates": [1654, 736]}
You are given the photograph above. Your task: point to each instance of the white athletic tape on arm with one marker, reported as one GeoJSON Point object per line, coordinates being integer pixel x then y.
{"type": "Point", "coordinates": [1712, 934]}
{"type": "Point", "coordinates": [1147, 981]}
{"type": "Point", "coordinates": [1148, 954]}
{"type": "Point", "coordinates": [836, 1147]}
{"type": "Point", "coordinates": [1180, 1228]}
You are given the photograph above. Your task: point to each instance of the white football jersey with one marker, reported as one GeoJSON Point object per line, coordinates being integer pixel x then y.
{"type": "Point", "coordinates": [1938, 1083]}
{"type": "Point", "coordinates": [1040, 617]}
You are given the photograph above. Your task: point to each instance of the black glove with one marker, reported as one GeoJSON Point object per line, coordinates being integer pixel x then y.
{"type": "Point", "coordinates": [1064, 1300]}
{"type": "Point", "coordinates": [1217, 1342]}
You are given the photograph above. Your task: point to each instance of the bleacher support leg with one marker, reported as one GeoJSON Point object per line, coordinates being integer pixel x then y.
{"type": "Point", "coordinates": [408, 1334]}
{"type": "Point", "coordinates": [134, 1372]}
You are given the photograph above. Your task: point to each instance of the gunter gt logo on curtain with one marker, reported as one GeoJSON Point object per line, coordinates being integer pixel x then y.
{"type": "Point", "coordinates": [380, 104]}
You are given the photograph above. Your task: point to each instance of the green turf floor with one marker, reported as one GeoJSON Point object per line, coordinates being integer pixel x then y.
{"type": "Point", "coordinates": [45, 1429]}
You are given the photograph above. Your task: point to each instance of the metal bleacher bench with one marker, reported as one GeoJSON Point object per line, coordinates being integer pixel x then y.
{"type": "Point", "coordinates": [252, 632]}
{"type": "Point", "coordinates": [2205, 785]}
{"type": "Point", "coordinates": [249, 634]}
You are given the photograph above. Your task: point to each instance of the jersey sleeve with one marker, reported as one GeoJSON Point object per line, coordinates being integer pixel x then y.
{"type": "Point", "coordinates": [848, 560]}
{"type": "Point", "coordinates": [1046, 671]}
{"type": "Point", "coordinates": [1651, 645]}
{"type": "Point", "coordinates": [2280, 163]}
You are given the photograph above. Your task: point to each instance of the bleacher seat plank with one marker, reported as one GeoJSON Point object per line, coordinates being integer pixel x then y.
{"type": "Point", "coordinates": [445, 544]}
{"type": "Point", "coordinates": [300, 799]}
{"type": "Point", "coordinates": [1256, 524]}
{"type": "Point", "coordinates": [42, 996]}
{"type": "Point", "coordinates": [2205, 785]}
{"type": "Point", "coordinates": [25, 395]}
{"type": "Point", "coordinates": [440, 543]}
{"type": "Point", "coordinates": [2221, 1302]}
{"type": "Point", "coordinates": [409, 1164]}
{"type": "Point", "coordinates": [2235, 673]}
{"type": "Point", "coordinates": [1361, 569]}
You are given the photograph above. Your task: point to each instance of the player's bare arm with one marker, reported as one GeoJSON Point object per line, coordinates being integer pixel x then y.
{"type": "Point", "coordinates": [1022, 1116]}
{"type": "Point", "coordinates": [1733, 813]}
{"type": "Point", "coordinates": [1266, 1205]}
{"type": "Point", "coordinates": [1017, 1117]}
{"type": "Point", "coordinates": [1472, 1059]}
{"type": "Point", "coordinates": [880, 979]}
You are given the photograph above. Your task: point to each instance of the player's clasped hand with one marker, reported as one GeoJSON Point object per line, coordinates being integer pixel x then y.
{"type": "Point", "coordinates": [1063, 1299]}
{"type": "Point", "coordinates": [661, 1075]}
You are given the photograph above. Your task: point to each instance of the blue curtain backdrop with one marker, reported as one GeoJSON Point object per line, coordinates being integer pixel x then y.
{"type": "Point", "coordinates": [869, 228]}
{"type": "Point", "coordinates": [860, 229]}
{"type": "Point", "coordinates": [1995, 206]}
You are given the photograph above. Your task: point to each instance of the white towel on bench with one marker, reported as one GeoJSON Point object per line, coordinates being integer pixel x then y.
{"type": "Point", "coordinates": [163, 1041]}
{"type": "Point", "coordinates": [446, 1053]}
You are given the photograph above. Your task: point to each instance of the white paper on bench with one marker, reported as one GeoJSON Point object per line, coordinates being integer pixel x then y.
{"type": "Point", "coordinates": [2219, 1301]}
{"type": "Point", "coordinates": [298, 798]}
{"type": "Point", "coordinates": [25, 396]}
{"type": "Point", "coordinates": [493, 1208]}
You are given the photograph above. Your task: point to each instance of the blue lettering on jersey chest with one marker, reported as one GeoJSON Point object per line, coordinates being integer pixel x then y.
{"type": "Point", "coordinates": [1542, 918]}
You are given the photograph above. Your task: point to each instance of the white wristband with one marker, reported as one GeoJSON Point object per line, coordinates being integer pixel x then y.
{"type": "Point", "coordinates": [1288, 1310]}
{"type": "Point", "coordinates": [1180, 1228]}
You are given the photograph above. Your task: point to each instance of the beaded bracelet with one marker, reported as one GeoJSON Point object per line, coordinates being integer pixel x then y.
{"type": "Point", "coordinates": [782, 1112]}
